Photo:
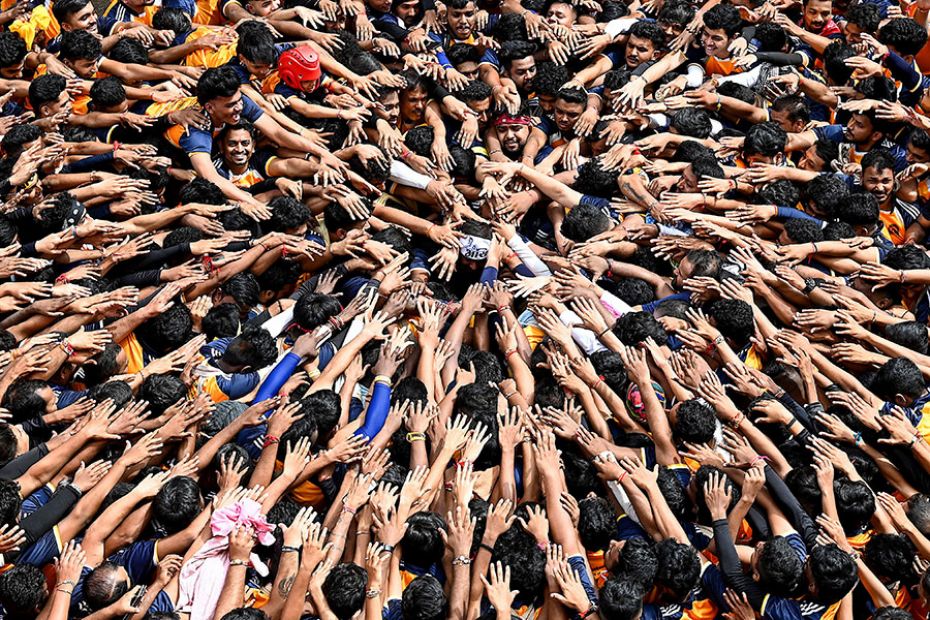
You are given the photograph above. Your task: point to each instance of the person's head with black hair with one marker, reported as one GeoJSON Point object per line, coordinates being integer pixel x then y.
{"type": "Point", "coordinates": [799, 230]}
{"type": "Point", "coordinates": [288, 215]}
{"type": "Point", "coordinates": [823, 195]}
{"type": "Point", "coordinates": [674, 17]}
{"type": "Point", "coordinates": [635, 327]}
{"type": "Point", "coordinates": [900, 381]}
{"type": "Point", "coordinates": [819, 156]}
{"type": "Point", "coordinates": [18, 138]}
{"type": "Point", "coordinates": [201, 190]}
{"type": "Point", "coordinates": [325, 407]}
{"type": "Point", "coordinates": [644, 41]}
{"type": "Point", "coordinates": [422, 545]}
{"type": "Point", "coordinates": [695, 171]}
{"type": "Point", "coordinates": [722, 24]}
{"type": "Point", "coordinates": [816, 14]}
{"type": "Point", "coordinates": [12, 55]}
{"type": "Point", "coordinates": [692, 122]}
{"type": "Point", "coordinates": [692, 150]}
{"type": "Point", "coordinates": [250, 351]}
{"type": "Point", "coordinates": [81, 51]}
{"type": "Point", "coordinates": [596, 179]}
{"type": "Point", "coordinates": [569, 105]}
{"type": "Point", "coordinates": [465, 59]}
{"type": "Point", "coordinates": [75, 15]}
{"type": "Point", "coordinates": [519, 63]}
{"type": "Point", "coordinates": [621, 599]}
{"type": "Point", "coordinates": [176, 504]}
{"type": "Point", "coordinates": [777, 567]}
{"type": "Point", "coordinates": [861, 17]}
{"type": "Point", "coordinates": [635, 560]}
{"type": "Point", "coordinates": [697, 264]}
{"type": "Point", "coordinates": [162, 391]}
{"type": "Point", "coordinates": [48, 95]}
{"type": "Point", "coordinates": [461, 18]}
{"type": "Point", "coordinates": [584, 222]}
{"type": "Point", "coordinates": [108, 95]}
{"type": "Point", "coordinates": [679, 567]}
{"type": "Point", "coordinates": [242, 289]}
{"type": "Point", "coordinates": [424, 599]}
{"type": "Point", "coordinates": [861, 210]}
{"type": "Point", "coordinates": [477, 96]}
{"type": "Point", "coordinates": [609, 365]}
{"type": "Point", "coordinates": [634, 291]}
{"type": "Point", "coordinates": [771, 37]}
{"type": "Point", "coordinates": [910, 334]}
{"type": "Point", "coordinates": [344, 589]}
{"type": "Point", "coordinates": [765, 143]}
{"type": "Point", "coordinates": [596, 523]}
{"type": "Point", "coordinates": [129, 51]}
{"type": "Point", "coordinates": [737, 91]}
{"type": "Point", "coordinates": [838, 72]}
{"type": "Point", "coordinates": [221, 321]}
{"type": "Point", "coordinates": [10, 501]}
{"type": "Point", "coordinates": [28, 398]}
{"type": "Point", "coordinates": [855, 504]}
{"type": "Point", "coordinates": [175, 19]}
{"type": "Point", "coordinates": [242, 613]}
{"type": "Point", "coordinates": [339, 221]}
{"type": "Point", "coordinates": [831, 574]}
{"type": "Point", "coordinates": [903, 36]}
{"type": "Point", "coordinates": [23, 592]}
{"type": "Point", "coordinates": [878, 178]}
{"type": "Point", "coordinates": [420, 140]}
{"type": "Point", "coordinates": [890, 557]}
{"type": "Point", "coordinates": [918, 146]}
{"type": "Point", "coordinates": [314, 309]}
{"type": "Point", "coordinates": [463, 164]}
{"type": "Point", "coordinates": [891, 613]}
{"type": "Point", "coordinates": [218, 92]}
{"type": "Point", "coordinates": [105, 585]}
{"type": "Point", "coordinates": [117, 391]}
{"type": "Point", "coordinates": [104, 365]}
{"type": "Point", "coordinates": [695, 422]}
{"type": "Point", "coordinates": [550, 77]}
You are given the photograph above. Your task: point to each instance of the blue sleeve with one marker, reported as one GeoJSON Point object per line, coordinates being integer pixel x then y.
{"type": "Point", "coordinates": [278, 377]}
{"type": "Point", "coordinates": [488, 275]}
{"type": "Point", "coordinates": [652, 305]}
{"type": "Point", "coordinates": [903, 71]}
{"type": "Point", "coordinates": [377, 412]}
{"type": "Point", "coordinates": [833, 133]}
{"type": "Point", "coordinates": [595, 201]}
{"type": "Point", "coordinates": [440, 52]}
{"type": "Point", "coordinates": [67, 397]}
{"type": "Point", "coordinates": [250, 110]}
{"type": "Point", "coordinates": [238, 384]}
{"type": "Point", "coordinates": [88, 163]}
{"type": "Point", "coordinates": [581, 569]}
{"type": "Point", "coordinates": [196, 141]}
{"type": "Point", "coordinates": [138, 559]}
{"type": "Point", "coordinates": [796, 214]}
{"type": "Point", "coordinates": [523, 270]}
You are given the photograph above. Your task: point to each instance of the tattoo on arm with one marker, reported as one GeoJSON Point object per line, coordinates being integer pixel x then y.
{"type": "Point", "coordinates": [284, 587]}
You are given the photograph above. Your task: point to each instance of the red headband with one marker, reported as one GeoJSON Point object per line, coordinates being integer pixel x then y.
{"type": "Point", "coordinates": [507, 119]}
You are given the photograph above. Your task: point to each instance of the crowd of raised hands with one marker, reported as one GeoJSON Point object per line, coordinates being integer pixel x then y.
{"type": "Point", "coordinates": [458, 310]}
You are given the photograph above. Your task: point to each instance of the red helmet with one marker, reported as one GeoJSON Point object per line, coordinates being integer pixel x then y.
{"type": "Point", "coordinates": [298, 65]}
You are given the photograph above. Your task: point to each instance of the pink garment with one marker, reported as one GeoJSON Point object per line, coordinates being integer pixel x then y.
{"type": "Point", "coordinates": [202, 576]}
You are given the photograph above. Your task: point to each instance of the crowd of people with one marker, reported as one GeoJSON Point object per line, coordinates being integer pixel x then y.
{"type": "Point", "coordinates": [464, 309]}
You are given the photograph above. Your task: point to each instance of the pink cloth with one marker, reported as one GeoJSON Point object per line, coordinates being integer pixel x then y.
{"type": "Point", "coordinates": [202, 576]}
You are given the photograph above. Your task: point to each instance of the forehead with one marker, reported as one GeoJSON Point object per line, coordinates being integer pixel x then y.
{"type": "Point", "coordinates": [238, 135]}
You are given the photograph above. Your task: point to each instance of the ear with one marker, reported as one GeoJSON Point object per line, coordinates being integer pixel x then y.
{"type": "Point", "coordinates": [901, 400]}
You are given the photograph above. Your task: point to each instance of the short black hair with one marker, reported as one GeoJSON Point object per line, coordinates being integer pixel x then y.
{"type": "Point", "coordinates": [107, 93]}
{"type": "Point", "coordinates": [424, 599]}
{"type": "Point", "coordinates": [176, 504]}
{"type": "Point", "coordinates": [766, 139]}
{"type": "Point", "coordinates": [344, 589]}
{"type": "Point", "coordinates": [80, 45]}
{"type": "Point", "coordinates": [635, 327]}
{"type": "Point", "coordinates": [905, 35]}
{"type": "Point", "coordinates": [217, 82]}
{"type": "Point", "coordinates": [583, 222]}
{"type": "Point", "coordinates": [648, 30]}
{"type": "Point", "coordinates": [780, 568]}
{"type": "Point", "coordinates": [162, 391]}
{"type": "Point", "coordinates": [679, 566]}
{"type": "Point", "coordinates": [723, 17]}
{"type": "Point", "coordinates": [12, 49]}
{"type": "Point", "coordinates": [45, 89]}
{"type": "Point", "coordinates": [23, 591]}
{"type": "Point", "coordinates": [696, 422]}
